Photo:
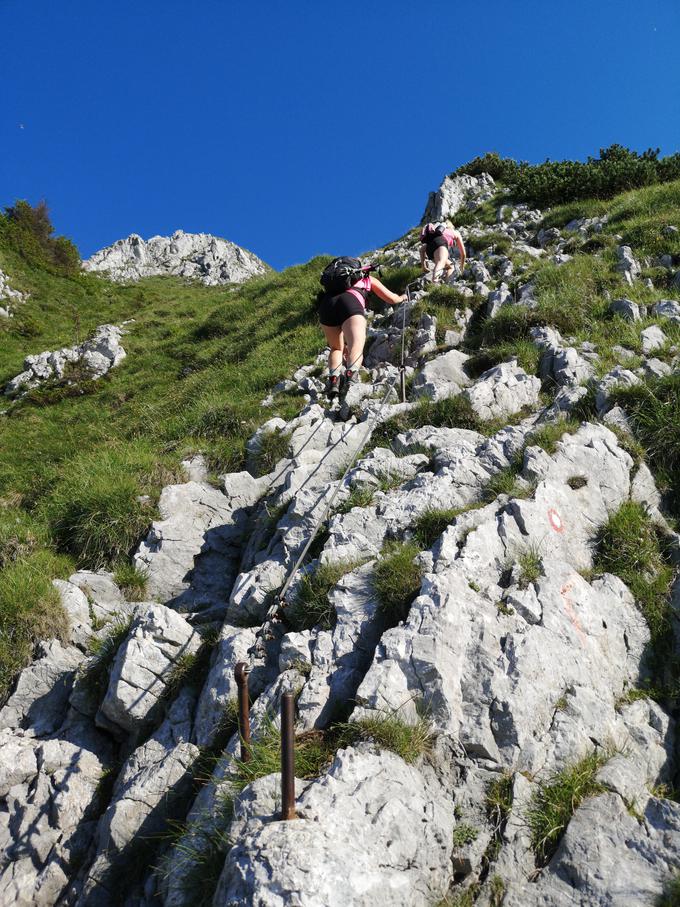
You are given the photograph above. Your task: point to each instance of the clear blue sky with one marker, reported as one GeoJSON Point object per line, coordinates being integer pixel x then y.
{"type": "Point", "coordinates": [300, 127]}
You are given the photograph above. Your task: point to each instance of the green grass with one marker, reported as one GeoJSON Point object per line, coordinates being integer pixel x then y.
{"type": "Point", "coordinates": [629, 546]}
{"type": "Point", "coordinates": [30, 610]}
{"type": "Point", "coordinates": [103, 649]}
{"type": "Point", "coordinates": [359, 496]}
{"type": "Point", "coordinates": [311, 606]}
{"type": "Point", "coordinates": [556, 801]}
{"type": "Point", "coordinates": [131, 581]}
{"type": "Point", "coordinates": [273, 446]}
{"type": "Point", "coordinates": [432, 523]}
{"type": "Point", "coordinates": [397, 579]}
{"type": "Point", "coordinates": [548, 436]}
{"type": "Point", "coordinates": [315, 750]}
{"type": "Point", "coordinates": [530, 566]}
{"type": "Point", "coordinates": [671, 894]}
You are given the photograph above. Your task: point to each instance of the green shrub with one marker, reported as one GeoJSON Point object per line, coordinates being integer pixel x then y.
{"type": "Point", "coordinates": [30, 610]}
{"type": "Point", "coordinates": [28, 231]}
{"type": "Point", "coordinates": [432, 523]}
{"type": "Point", "coordinates": [94, 511]}
{"type": "Point", "coordinates": [464, 833]}
{"type": "Point", "coordinates": [397, 579]}
{"type": "Point", "coordinates": [311, 606]}
{"type": "Point", "coordinates": [671, 894]}
{"type": "Point", "coordinates": [556, 801]}
{"type": "Point", "coordinates": [617, 169]}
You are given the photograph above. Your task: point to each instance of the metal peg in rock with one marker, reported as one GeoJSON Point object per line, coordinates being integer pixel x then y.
{"type": "Point", "coordinates": [288, 756]}
{"type": "Point", "coordinates": [241, 675]}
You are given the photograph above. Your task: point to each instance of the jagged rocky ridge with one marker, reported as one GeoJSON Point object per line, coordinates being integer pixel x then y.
{"type": "Point", "coordinates": [518, 679]}
{"type": "Point", "coordinates": [197, 256]}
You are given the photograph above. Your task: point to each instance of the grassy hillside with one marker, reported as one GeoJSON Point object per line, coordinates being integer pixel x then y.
{"type": "Point", "coordinates": [73, 461]}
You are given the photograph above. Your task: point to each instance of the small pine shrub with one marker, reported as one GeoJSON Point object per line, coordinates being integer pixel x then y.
{"type": "Point", "coordinates": [28, 231]}
{"type": "Point", "coordinates": [397, 579]}
{"type": "Point", "coordinates": [555, 802]}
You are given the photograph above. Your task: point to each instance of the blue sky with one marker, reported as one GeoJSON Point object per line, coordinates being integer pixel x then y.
{"type": "Point", "coordinates": [294, 128]}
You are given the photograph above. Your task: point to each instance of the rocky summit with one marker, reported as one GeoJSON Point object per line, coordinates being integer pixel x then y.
{"type": "Point", "coordinates": [196, 256]}
{"type": "Point", "coordinates": [481, 641]}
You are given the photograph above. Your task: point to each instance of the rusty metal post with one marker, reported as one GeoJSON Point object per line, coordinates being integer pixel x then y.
{"type": "Point", "coordinates": [288, 756]}
{"type": "Point", "coordinates": [241, 675]}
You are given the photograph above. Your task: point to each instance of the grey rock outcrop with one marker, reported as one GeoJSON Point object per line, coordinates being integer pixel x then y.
{"type": "Point", "coordinates": [9, 297]}
{"type": "Point", "coordinates": [563, 364]}
{"type": "Point", "coordinates": [503, 390]}
{"type": "Point", "coordinates": [653, 339]}
{"type": "Point", "coordinates": [456, 193]}
{"type": "Point", "coordinates": [93, 359]}
{"type": "Point", "coordinates": [626, 309]}
{"type": "Point", "coordinates": [669, 309]}
{"type": "Point", "coordinates": [197, 256]}
{"type": "Point", "coordinates": [158, 640]}
{"type": "Point", "coordinates": [442, 376]}
{"type": "Point", "coordinates": [627, 264]}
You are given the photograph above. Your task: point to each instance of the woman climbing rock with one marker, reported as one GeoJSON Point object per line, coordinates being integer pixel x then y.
{"type": "Point", "coordinates": [435, 242]}
{"type": "Point", "coordinates": [342, 313]}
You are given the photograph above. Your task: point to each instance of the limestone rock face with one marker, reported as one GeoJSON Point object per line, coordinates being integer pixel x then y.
{"type": "Point", "coordinates": [9, 297]}
{"type": "Point", "coordinates": [197, 256]}
{"type": "Point", "coordinates": [503, 390]}
{"type": "Point", "coordinates": [322, 857]}
{"type": "Point", "coordinates": [96, 356]}
{"type": "Point", "coordinates": [456, 193]}
{"type": "Point", "coordinates": [157, 640]}
{"type": "Point", "coordinates": [442, 376]}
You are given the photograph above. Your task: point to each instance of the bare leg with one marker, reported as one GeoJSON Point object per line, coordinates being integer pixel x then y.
{"type": "Point", "coordinates": [441, 260]}
{"type": "Point", "coordinates": [336, 342]}
{"type": "Point", "coordinates": [354, 332]}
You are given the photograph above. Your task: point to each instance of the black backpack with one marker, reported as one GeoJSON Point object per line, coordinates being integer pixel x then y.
{"type": "Point", "coordinates": [340, 275]}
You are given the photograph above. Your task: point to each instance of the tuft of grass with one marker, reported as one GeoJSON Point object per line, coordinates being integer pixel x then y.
{"type": "Point", "coordinates": [498, 802]}
{"type": "Point", "coordinates": [530, 565]}
{"type": "Point", "coordinates": [397, 579]}
{"type": "Point", "coordinates": [311, 606]}
{"type": "Point", "coordinates": [20, 534]}
{"type": "Point", "coordinates": [315, 750]}
{"type": "Point", "coordinates": [464, 833]}
{"type": "Point", "coordinates": [577, 482]}
{"type": "Point", "coordinates": [273, 446]}
{"type": "Point", "coordinates": [94, 510]}
{"type": "Point", "coordinates": [359, 496]}
{"type": "Point", "coordinates": [96, 671]}
{"type": "Point", "coordinates": [30, 610]}
{"type": "Point", "coordinates": [548, 436]}
{"type": "Point", "coordinates": [131, 581]}
{"type": "Point", "coordinates": [629, 546]}
{"type": "Point", "coordinates": [505, 482]}
{"type": "Point", "coordinates": [671, 894]}
{"type": "Point", "coordinates": [432, 523]}
{"type": "Point", "coordinates": [556, 801]}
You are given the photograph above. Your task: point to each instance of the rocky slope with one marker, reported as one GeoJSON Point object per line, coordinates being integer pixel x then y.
{"type": "Point", "coordinates": [514, 661]}
{"type": "Point", "coordinates": [197, 256]}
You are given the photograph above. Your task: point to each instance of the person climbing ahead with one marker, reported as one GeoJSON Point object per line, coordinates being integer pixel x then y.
{"type": "Point", "coordinates": [342, 313]}
{"type": "Point", "coordinates": [436, 240]}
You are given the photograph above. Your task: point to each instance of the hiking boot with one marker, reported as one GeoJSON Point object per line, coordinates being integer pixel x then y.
{"type": "Point", "coordinates": [333, 386]}
{"type": "Point", "coordinates": [351, 377]}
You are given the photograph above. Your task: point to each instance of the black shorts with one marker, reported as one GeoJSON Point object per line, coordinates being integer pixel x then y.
{"type": "Point", "coordinates": [335, 310]}
{"type": "Point", "coordinates": [435, 243]}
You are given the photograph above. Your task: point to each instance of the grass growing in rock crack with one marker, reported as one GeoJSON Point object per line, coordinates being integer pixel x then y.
{"type": "Point", "coordinates": [653, 410]}
{"type": "Point", "coordinates": [556, 801]}
{"type": "Point", "coordinates": [103, 649]}
{"type": "Point", "coordinates": [315, 750]}
{"type": "Point", "coordinates": [631, 546]}
{"type": "Point", "coordinates": [396, 579]}
{"type": "Point", "coordinates": [359, 496]}
{"type": "Point", "coordinates": [432, 523]}
{"type": "Point", "coordinates": [273, 446]}
{"type": "Point", "coordinates": [498, 802]}
{"type": "Point", "coordinates": [131, 581]}
{"type": "Point", "coordinates": [548, 435]}
{"type": "Point", "coordinates": [506, 482]}
{"type": "Point", "coordinates": [530, 566]}
{"type": "Point", "coordinates": [311, 606]}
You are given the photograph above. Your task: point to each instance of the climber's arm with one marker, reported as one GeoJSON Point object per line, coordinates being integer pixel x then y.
{"type": "Point", "coordinates": [383, 293]}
